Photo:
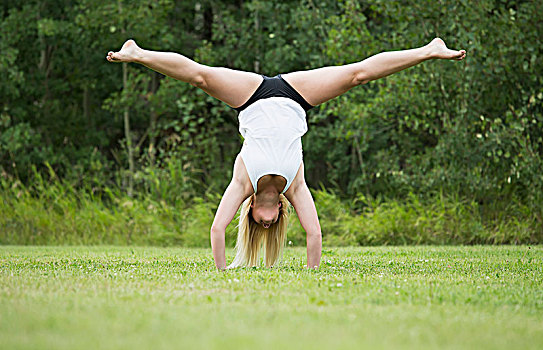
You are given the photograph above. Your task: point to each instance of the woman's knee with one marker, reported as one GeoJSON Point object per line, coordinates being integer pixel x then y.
{"type": "Point", "coordinates": [199, 75]}
{"type": "Point", "coordinates": [198, 80]}
{"type": "Point", "coordinates": [361, 77]}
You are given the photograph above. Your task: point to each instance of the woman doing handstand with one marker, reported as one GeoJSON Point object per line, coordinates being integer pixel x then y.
{"type": "Point", "coordinates": [269, 170]}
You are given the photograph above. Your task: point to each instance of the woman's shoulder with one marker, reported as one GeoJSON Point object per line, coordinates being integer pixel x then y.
{"type": "Point", "coordinates": [240, 177]}
{"type": "Point", "coordinates": [297, 183]}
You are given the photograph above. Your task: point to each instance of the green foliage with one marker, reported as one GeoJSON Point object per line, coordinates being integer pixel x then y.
{"type": "Point", "coordinates": [436, 220]}
{"type": "Point", "coordinates": [444, 126]}
{"type": "Point", "coordinates": [469, 130]}
{"type": "Point", "coordinates": [54, 212]}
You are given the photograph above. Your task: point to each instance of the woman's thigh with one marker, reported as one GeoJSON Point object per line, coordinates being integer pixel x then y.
{"type": "Point", "coordinates": [322, 84]}
{"type": "Point", "coordinates": [231, 86]}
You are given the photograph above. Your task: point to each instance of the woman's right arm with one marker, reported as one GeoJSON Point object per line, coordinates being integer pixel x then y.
{"type": "Point", "coordinates": [303, 203]}
{"type": "Point", "coordinates": [300, 197]}
{"type": "Point", "coordinates": [239, 189]}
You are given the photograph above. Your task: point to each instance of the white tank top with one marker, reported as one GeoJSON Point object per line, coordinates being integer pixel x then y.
{"type": "Point", "coordinates": [273, 130]}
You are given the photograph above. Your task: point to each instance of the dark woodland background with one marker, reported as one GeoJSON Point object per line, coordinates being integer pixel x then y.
{"type": "Point", "coordinates": [98, 153]}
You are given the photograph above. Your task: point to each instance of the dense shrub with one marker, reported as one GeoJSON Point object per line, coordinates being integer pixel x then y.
{"type": "Point", "coordinates": [54, 213]}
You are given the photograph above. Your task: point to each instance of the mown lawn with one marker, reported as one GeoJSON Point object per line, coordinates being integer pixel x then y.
{"type": "Point", "coordinates": [386, 297]}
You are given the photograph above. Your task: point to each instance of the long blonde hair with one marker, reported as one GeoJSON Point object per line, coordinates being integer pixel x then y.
{"type": "Point", "coordinates": [253, 236]}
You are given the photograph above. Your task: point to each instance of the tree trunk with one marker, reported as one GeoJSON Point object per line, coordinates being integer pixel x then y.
{"type": "Point", "coordinates": [86, 107]}
{"type": "Point", "coordinates": [152, 121]}
{"type": "Point", "coordinates": [126, 116]}
{"type": "Point", "coordinates": [128, 137]}
{"type": "Point", "coordinates": [208, 21]}
{"type": "Point", "coordinates": [257, 58]}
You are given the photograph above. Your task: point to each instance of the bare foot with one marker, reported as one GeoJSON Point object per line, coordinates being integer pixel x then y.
{"type": "Point", "coordinates": [130, 52]}
{"type": "Point", "coordinates": [438, 49]}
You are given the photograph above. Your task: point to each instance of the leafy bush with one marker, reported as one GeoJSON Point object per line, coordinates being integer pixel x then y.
{"type": "Point", "coordinates": [53, 212]}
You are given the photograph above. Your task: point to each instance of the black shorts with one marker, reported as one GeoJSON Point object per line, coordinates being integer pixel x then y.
{"type": "Point", "coordinates": [275, 87]}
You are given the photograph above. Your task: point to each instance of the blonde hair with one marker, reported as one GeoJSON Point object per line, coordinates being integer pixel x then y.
{"type": "Point", "coordinates": [253, 236]}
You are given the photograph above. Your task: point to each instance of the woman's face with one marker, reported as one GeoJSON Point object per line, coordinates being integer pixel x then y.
{"type": "Point", "coordinates": [265, 215]}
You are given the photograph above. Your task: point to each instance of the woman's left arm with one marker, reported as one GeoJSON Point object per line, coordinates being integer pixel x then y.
{"type": "Point", "coordinates": [303, 203]}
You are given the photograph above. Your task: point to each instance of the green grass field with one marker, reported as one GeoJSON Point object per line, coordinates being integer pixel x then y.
{"type": "Point", "coordinates": [488, 297]}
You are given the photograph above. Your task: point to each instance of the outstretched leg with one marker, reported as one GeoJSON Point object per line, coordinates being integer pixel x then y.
{"type": "Point", "coordinates": [230, 86]}
{"type": "Point", "coordinates": [322, 84]}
